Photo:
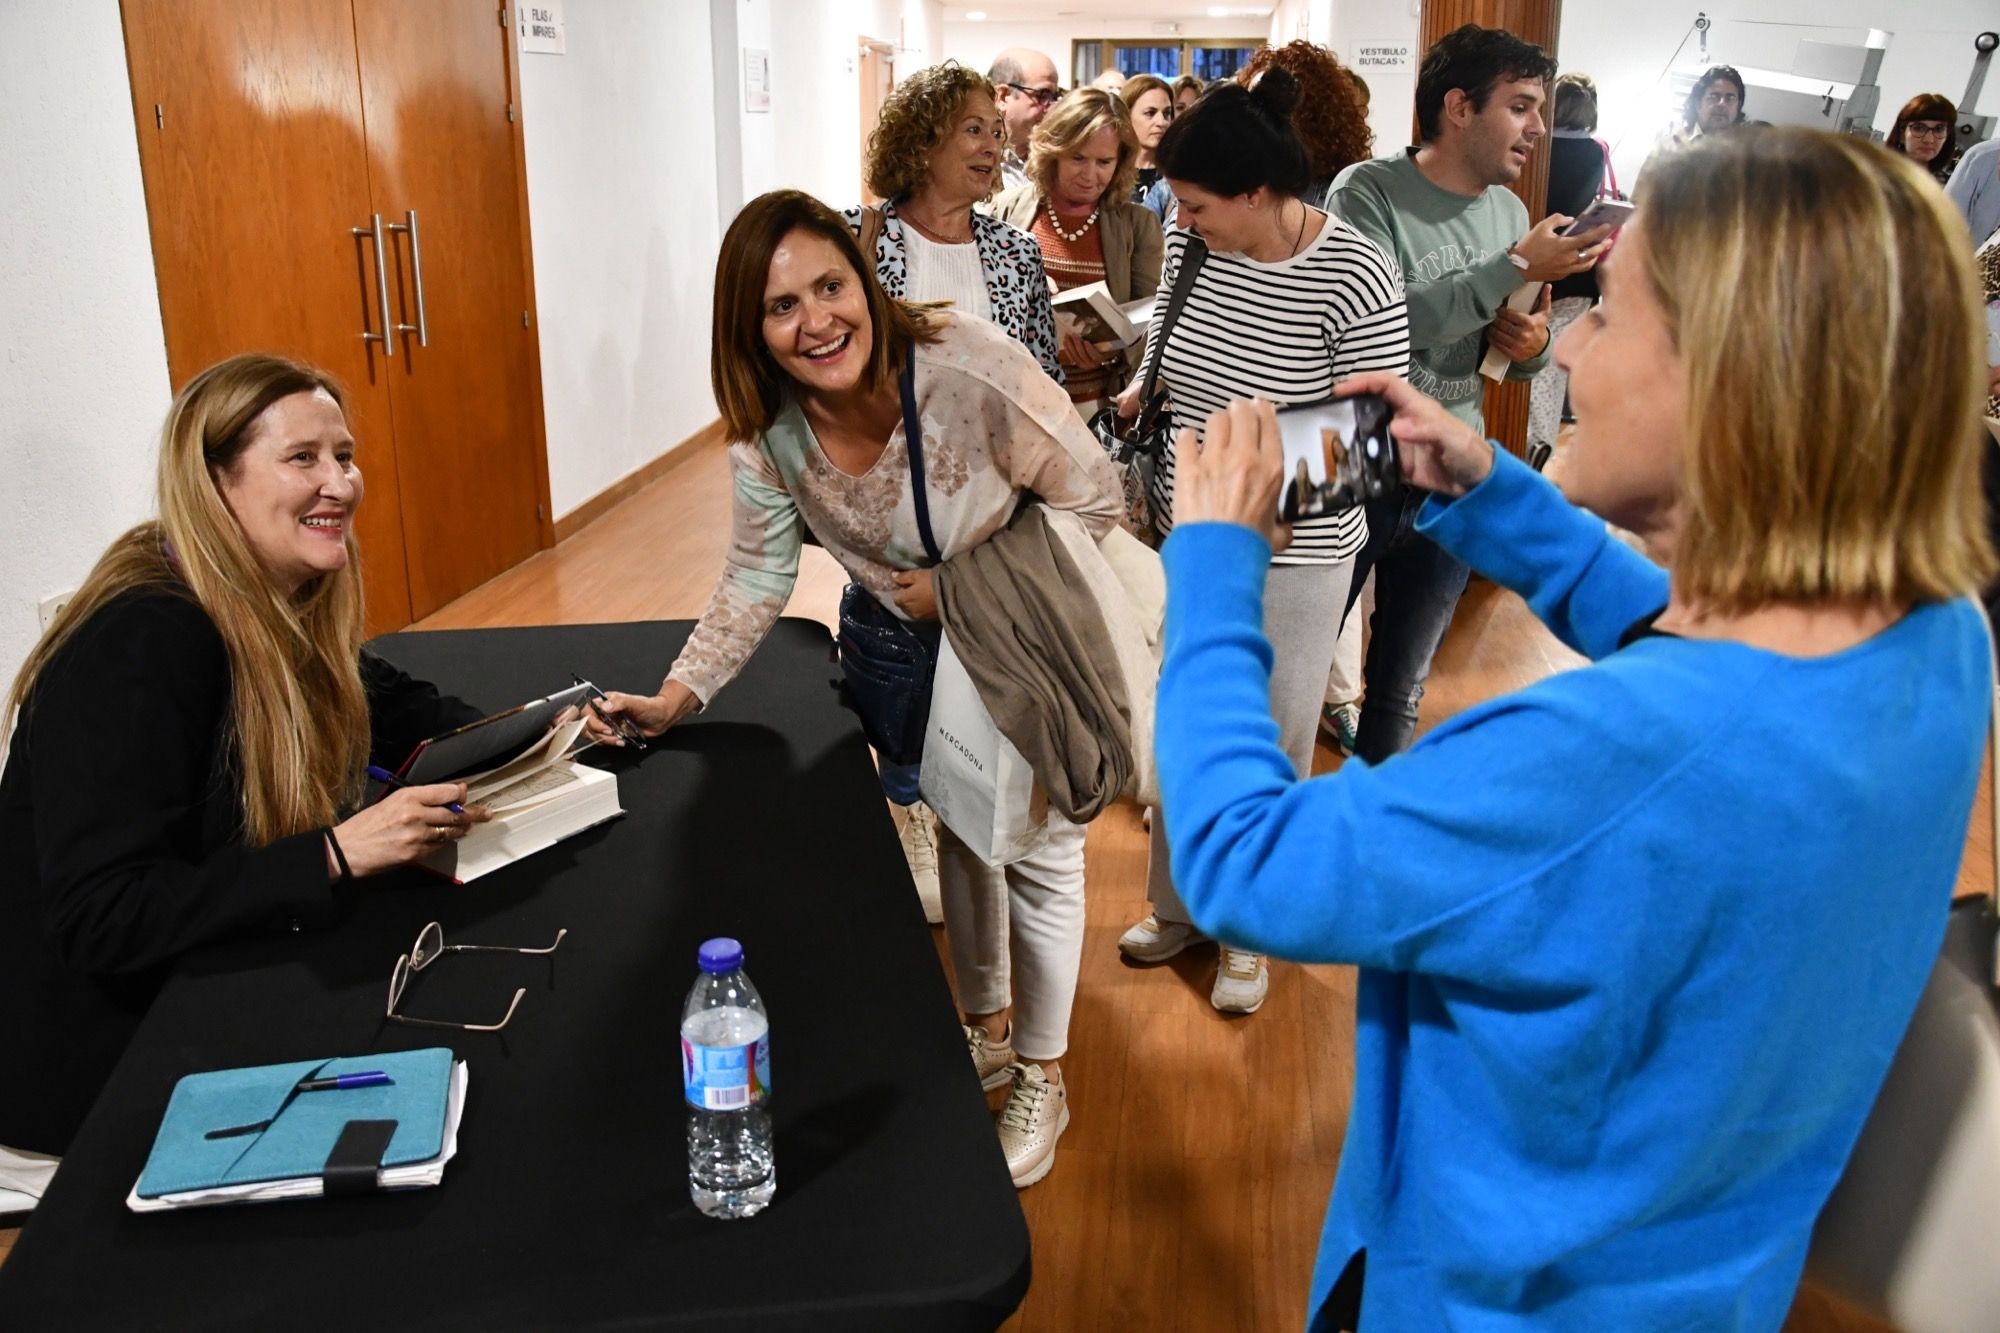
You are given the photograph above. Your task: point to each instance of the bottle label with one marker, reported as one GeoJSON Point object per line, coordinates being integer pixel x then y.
{"type": "Point", "coordinates": [726, 1078]}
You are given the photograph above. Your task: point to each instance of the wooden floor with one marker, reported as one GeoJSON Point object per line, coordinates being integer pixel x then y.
{"type": "Point", "coordinates": [1189, 1190]}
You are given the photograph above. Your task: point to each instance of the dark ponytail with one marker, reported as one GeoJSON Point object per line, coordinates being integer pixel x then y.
{"type": "Point", "coordinates": [1234, 140]}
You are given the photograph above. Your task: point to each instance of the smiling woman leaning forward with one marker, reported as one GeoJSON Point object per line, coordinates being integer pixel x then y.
{"type": "Point", "coordinates": [187, 756]}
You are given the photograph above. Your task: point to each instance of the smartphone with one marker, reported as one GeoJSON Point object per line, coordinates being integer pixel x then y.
{"type": "Point", "coordinates": [1603, 213]}
{"type": "Point", "coordinates": [1338, 454]}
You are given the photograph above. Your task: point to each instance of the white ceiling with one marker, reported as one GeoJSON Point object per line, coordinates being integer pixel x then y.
{"type": "Point", "coordinates": [1014, 11]}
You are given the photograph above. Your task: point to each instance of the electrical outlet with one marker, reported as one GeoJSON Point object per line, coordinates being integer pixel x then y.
{"type": "Point", "coordinates": [51, 607]}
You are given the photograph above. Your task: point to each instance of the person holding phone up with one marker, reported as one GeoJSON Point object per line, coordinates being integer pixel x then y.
{"type": "Point", "coordinates": [1636, 943]}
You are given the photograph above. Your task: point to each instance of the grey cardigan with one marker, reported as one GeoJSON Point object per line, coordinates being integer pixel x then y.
{"type": "Point", "coordinates": [1133, 243]}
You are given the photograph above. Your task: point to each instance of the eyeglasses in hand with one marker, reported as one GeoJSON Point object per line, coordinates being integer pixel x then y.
{"type": "Point", "coordinates": [430, 943]}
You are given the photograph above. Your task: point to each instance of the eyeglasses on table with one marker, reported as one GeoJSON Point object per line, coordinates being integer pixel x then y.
{"type": "Point", "coordinates": [430, 944]}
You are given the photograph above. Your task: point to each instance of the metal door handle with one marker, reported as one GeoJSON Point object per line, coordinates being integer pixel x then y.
{"type": "Point", "coordinates": [387, 337]}
{"type": "Point", "coordinates": [422, 327]}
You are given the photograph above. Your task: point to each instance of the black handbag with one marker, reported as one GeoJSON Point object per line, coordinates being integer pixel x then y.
{"type": "Point", "coordinates": [1134, 449]}
{"type": "Point", "coordinates": [886, 663]}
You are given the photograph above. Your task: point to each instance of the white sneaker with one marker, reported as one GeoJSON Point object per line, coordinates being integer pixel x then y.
{"type": "Point", "coordinates": [919, 838]}
{"type": "Point", "coordinates": [1242, 980]}
{"type": "Point", "coordinates": [992, 1060]}
{"type": "Point", "coordinates": [1035, 1116]}
{"type": "Point", "coordinates": [1155, 941]}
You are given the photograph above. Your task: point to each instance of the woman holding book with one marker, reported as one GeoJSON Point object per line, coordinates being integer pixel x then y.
{"type": "Point", "coordinates": [1076, 205]}
{"type": "Point", "coordinates": [809, 356]}
{"type": "Point", "coordinates": [188, 751]}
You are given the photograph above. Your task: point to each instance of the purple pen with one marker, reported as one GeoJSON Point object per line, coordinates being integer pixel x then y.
{"type": "Point", "coordinates": [388, 779]}
{"type": "Point", "coordinates": [367, 1078]}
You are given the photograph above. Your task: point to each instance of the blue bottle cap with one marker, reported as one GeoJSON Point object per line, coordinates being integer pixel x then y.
{"type": "Point", "coordinates": [721, 955]}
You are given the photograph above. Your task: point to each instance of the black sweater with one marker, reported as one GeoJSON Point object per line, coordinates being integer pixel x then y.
{"type": "Point", "coordinates": [121, 828]}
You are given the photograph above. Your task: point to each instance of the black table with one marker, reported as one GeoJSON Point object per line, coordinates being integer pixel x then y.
{"type": "Point", "coordinates": [567, 1205]}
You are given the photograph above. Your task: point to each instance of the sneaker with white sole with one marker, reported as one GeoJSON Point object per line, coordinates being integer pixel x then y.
{"type": "Point", "coordinates": [1155, 941]}
{"type": "Point", "coordinates": [991, 1059]}
{"type": "Point", "coordinates": [1342, 724]}
{"type": "Point", "coordinates": [1035, 1116]}
{"type": "Point", "coordinates": [1242, 980]}
{"type": "Point", "coordinates": [919, 838]}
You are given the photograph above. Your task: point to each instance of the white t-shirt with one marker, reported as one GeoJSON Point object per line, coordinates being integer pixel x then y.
{"type": "Point", "coordinates": [946, 273]}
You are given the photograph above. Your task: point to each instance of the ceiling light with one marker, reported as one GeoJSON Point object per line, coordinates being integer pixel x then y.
{"type": "Point", "coordinates": [975, 16]}
{"type": "Point", "coordinates": [1218, 12]}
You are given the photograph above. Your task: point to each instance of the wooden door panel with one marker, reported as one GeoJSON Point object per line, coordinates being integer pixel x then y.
{"type": "Point", "coordinates": [255, 172]}
{"type": "Point", "coordinates": [435, 93]}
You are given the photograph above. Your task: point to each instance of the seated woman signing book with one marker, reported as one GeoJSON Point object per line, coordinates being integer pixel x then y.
{"type": "Point", "coordinates": [188, 752]}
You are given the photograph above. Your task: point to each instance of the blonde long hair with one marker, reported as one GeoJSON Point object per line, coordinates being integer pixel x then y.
{"type": "Point", "coordinates": [1821, 292]}
{"type": "Point", "coordinates": [298, 716]}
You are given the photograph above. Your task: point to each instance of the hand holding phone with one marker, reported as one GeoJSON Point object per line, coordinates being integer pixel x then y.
{"type": "Point", "coordinates": [1612, 213]}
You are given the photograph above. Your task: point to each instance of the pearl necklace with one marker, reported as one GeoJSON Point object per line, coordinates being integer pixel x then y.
{"type": "Point", "coordinates": [1055, 223]}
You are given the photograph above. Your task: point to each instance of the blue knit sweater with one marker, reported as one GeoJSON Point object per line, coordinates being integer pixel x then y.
{"type": "Point", "coordinates": [1636, 943]}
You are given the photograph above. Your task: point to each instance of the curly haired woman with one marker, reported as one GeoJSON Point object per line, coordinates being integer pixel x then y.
{"type": "Point", "coordinates": [1332, 116]}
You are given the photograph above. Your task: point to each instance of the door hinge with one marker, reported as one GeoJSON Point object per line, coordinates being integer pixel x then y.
{"type": "Point", "coordinates": [510, 113]}
{"type": "Point", "coordinates": [159, 117]}
{"type": "Point", "coordinates": [524, 319]}
{"type": "Point", "coordinates": [538, 515]}
{"type": "Point", "coordinates": [503, 16]}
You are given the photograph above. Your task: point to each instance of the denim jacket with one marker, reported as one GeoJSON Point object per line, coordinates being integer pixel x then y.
{"type": "Point", "coordinates": [1015, 282]}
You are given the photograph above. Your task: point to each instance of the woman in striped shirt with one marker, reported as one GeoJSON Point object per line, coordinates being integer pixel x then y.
{"type": "Point", "coordinates": [1288, 302]}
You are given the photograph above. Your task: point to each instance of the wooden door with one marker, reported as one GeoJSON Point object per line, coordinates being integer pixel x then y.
{"type": "Point", "coordinates": [251, 147]}
{"type": "Point", "coordinates": [466, 392]}
{"type": "Point", "coordinates": [1537, 21]}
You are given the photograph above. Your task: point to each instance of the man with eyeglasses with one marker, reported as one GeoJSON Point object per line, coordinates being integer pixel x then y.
{"type": "Point", "coordinates": [1024, 88]}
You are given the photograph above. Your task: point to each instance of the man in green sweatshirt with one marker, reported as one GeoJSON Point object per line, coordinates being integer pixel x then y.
{"type": "Point", "coordinates": [1443, 212]}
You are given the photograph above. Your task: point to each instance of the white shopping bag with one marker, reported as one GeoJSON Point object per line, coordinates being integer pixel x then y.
{"type": "Point", "coordinates": [979, 784]}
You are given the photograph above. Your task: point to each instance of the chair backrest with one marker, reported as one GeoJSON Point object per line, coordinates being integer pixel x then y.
{"type": "Point", "coordinates": [1908, 1231]}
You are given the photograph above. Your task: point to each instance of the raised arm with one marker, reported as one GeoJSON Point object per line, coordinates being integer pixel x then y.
{"type": "Point", "coordinates": [762, 566]}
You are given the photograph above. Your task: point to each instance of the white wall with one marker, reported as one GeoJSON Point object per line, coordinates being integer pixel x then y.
{"type": "Point", "coordinates": [621, 155]}
{"type": "Point", "coordinates": [1626, 47]}
{"type": "Point", "coordinates": [1343, 24]}
{"type": "Point", "coordinates": [83, 359]}
{"type": "Point", "coordinates": [975, 44]}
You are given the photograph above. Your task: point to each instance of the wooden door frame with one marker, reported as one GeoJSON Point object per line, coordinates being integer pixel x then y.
{"type": "Point", "coordinates": [545, 510]}
{"type": "Point", "coordinates": [886, 51]}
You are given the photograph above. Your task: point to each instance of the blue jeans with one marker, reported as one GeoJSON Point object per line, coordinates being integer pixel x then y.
{"type": "Point", "coordinates": [1417, 587]}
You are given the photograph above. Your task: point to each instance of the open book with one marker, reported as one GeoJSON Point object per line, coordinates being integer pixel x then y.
{"type": "Point", "coordinates": [538, 798]}
{"type": "Point", "coordinates": [1091, 313]}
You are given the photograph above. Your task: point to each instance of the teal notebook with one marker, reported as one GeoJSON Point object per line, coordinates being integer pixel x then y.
{"type": "Point", "coordinates": [303, 1126]}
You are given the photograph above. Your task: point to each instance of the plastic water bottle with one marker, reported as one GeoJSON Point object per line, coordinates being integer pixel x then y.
{"type": "Point", "coordinates": [726, 1069]}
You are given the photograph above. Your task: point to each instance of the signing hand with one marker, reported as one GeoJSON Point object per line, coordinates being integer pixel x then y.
{"type": "Point", "coordinates": [1438, 451]}
{"type": "Point", "coordinates": [1235, 474]}
{"type": "Point", "coordinates": [916, 593]}
{"type": "Point", "coordinates": [650, 713]}
{"type": "Point", "coordinates": [1521, 337]}
{"type": "Point", "coordinates": [404, 825]}
{"type": "Point", "coordinates": [1551, 256]}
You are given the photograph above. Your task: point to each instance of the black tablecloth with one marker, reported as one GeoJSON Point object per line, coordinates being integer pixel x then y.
{"type": "Point", "coordinates": [567, 1205]}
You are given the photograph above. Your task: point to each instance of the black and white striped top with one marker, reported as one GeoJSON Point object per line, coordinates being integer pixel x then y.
{"type": "Point", "coordinates": [1288, 332]}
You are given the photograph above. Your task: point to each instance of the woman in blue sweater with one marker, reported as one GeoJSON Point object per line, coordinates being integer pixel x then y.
{"type": "Point", "coordinates": [1637, 942]}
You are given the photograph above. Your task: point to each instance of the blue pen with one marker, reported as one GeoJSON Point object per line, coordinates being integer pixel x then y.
{"type": "Point", "coordinates": [365, 1078]}
{"type": "Point", "coordinates": [388, 779]}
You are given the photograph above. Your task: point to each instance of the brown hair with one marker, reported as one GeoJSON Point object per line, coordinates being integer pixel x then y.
{"type": "Point", "coordinates": [1186, 83]}
{"type": "Point", "coordinates": [1852, 473]}
{"type": "Point", "coordinates": [1139, 85]}
{"type": "Point", "coordinates": [1926, 106]}
{"type": "Point", "coordinates": [1074, 119]}
{"type": "Point", "coordinates": [749, 387]}
{"type": "Point", "coordinates": [1331, 118]}
{"type": "Point", "coordinates": [914, 121]}
{"type": "Point", "coordinates": [298, 717]}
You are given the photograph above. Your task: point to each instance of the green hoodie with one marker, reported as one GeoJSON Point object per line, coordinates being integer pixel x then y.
{"type": "Point", "coordinates": [1456, 274]}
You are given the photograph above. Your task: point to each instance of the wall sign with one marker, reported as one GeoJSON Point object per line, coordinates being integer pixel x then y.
{"type": "Point", "coordinates": [542, 28]}
{"type": "Point", "coordinates": [1397, 57]}
{"type": "Point", "coordinates": [757, 79]}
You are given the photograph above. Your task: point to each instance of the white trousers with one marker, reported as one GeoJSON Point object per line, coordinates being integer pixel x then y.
{"type": "Point", "coordinates": [1302, 605]}
{"type": "Point", "coordinates": [1016, 934]}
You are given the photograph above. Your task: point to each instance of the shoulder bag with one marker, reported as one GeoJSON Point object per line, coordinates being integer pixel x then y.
{"type": "Point", "coordinates": [886, 663]}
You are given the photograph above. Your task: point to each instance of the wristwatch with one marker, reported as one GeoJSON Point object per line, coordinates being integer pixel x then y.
{"type": "Point", "coordinates": [1517, 259]}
